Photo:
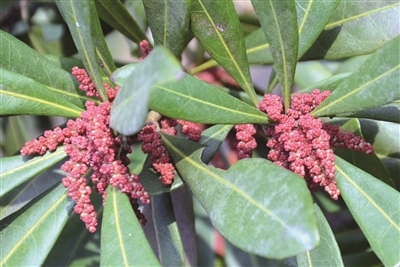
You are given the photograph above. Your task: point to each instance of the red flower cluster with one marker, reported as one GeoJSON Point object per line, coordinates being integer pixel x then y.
{"type": "Point", "coordinates": [94, 150]}
{"type": "Point", "coordinates": [301, 143]}
{"type": "Point", "coordinates": [244, 134]}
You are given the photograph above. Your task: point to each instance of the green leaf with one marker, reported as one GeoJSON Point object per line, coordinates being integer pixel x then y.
{"type": "Point", "coordinates": [22, 95]}
{"type": "Point", "coordinates": [129, 111]}
{"type": "Point", "coordinates": [389, 113]}
{"type": "Point", "coordinates": [123, 242]}
{"type": "Point", "coordinates": [373, 85]}
{"type": "Point", "coordinates": [368, 163]}
{"type": "Point", "coordinates": [65, 63]}
{"type": "Point", "coordinates": [212, 138]}
{"type": "Point", "coordinates": [197, 101]}
{"type": "Point", "coordinates": [13, 57]}
{"type": "Point", "coordinates": [279, 22]}
{"type": "Point", "coordinates": [120, 76]}
{"type": "Point", "coordinates": [215, 24]}
{"type": "Point", "coordinates": [311, 72]}
{"type": "Point", "coordinates": [250, 192]}
{"type": "Point", "coordinates": [31, 236]}
{"type": "Point", "coordinates": [327, 253]}
{"type": "Point", "coordinates": [327, 84]}
{"type": "Point", "coordinates": [170, 248]}
{"type": "Point", "coordinates": [17, 169]}
{"type": "Point", "coordinates": [118, 17]}
{"type": "Point", "coordinates": [374, 206]}
{"type": "Point", "coordinates": [169, 23]}
{"type": "Point", "coordinates": [78, 16]}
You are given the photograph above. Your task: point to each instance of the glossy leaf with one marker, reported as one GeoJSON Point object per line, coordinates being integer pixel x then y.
{"type": "Point", "coordinates": [118, 17]}
{"type": "Point", "coordinates": [121, 74]}
{"type": "Point", "coordinates": [279, 23]}
{"type": "Point", "coordinates": [197, 101]}
{"type": "Point", "coordinates": [22, 95]}
{"type": "Point", "coordinates": [269, 193]}
{"type": "Point", "coordinates": [371, 86]}
{"type": "Point", "coordinates": [368, 163]}
{"type": "Point", "coordinates": [130, 107]}
{"type": "Point", "coordinates": [123, 242]}
{"type": "Point", "coordinates": [327, 253]}
{"type": "Point", "coordinates": [80, 24]}
{"type": "Point", "coordinates": [31, 236]}
{"type": "Point", "coordinates": [377, 214]}
{"type": "Point", "coordinates": [169, 23]}
{"type": "Point", "coordinates": [389, 113]}
{"type": "Point", "coordinates": [215, 24]}
{"type": "Point", "coordinates": [353, 29]}
{"type": "Point", "coordinates": [212, 139]}
{"type": "Point", "coordinates": [170, 248]}
{"type": "Point", "coordinates": [14, 56]}
{"type": "Point", "coordinates": [17, 169]}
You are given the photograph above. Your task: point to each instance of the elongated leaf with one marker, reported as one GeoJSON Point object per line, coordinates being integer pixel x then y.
{"type": "Point", "coordinates": [22, 95]}
{"type": "Point", "coordinates": [389, 113]}
{"type": "Point", "coordinates": [374, 206]}
{"type": "Point", "coordinates": [65, 63]}
{"type": "Point", "coordinates": [327, 253]}
{"type": "Point", "coordinates": [31, 236]}
{"type": "Point", "coordinates": [123, 242]}
{"type": "Point", "coordinates": [215, 24]}
{"type": "Point", "coordinates": [17, 169]}
{"type": "Point", "coordinates": [169, 23]}
{"type": "Point", "coordinates": [77, 15]}
{"type": "Point", "coordinates": [118, 17]}
{"type": "Point", "coordinates": [279, 22]}
{"type": "Point", "coordinates": [17, 57]}
{"type": "Point", "coordinates": [130, 109]}
{"type": "Point", "coordinates": [327, 84]}
{"type": "Point", "coordinates": [169, 242]}
{"type": "Point", "coordinates": [250, 192]}
{"type": "Point", "coordinates": [373, 85]}
{"type": "Point", "coordinates": [212, 138]}
{"type": "Point", "coordinates": [23, 194]}
{"type": "Point", "coordinates": [194, 100]}
{"type": "Point", "coordinates": [354, 29]}
{"type": "Point", "coordinates": [121, 74]}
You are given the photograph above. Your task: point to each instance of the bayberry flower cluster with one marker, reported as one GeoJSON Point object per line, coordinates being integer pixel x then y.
{"type": "Point", "coordinates": [246, 144]}
{"type": "Point", "coordinates": [94, 151]}
{"type": "Point", "coordinates": [302, 143]}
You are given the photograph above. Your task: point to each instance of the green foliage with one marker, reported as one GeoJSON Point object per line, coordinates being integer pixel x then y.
{"type": "Point", "coordinates": [265, 214]}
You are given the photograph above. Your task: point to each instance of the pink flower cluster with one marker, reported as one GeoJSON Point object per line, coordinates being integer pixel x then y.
{"type": "Point", "coordinates": [246, 144]}
{"type": "Point", "coordinates": [95, 151]}
{"type": "Point", "coordinates": [301, 143]}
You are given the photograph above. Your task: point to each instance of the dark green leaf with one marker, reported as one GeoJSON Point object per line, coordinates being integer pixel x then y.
{"type": "Point", "coordinates": [129, 110]}
{"type": "Point", "coordinates": [376, 214]}
{"type": "Point", "coordinates": [169, 23]}
{"type": "Point", "coordinates": [31, 236]}
{"type": "Point", "coordinates": [368, 163]}
{"type": "Point", "coordinates": [22, 95]}
{"type": "Point", "coordinates": [78, 16]}
{"type": "Point", "coordinates": [123, 242]}
{"type": "Point", "coordinates": [212, 138]}
{"type": "Point", "coordinates": [17, 57]}
{"type": "Point", "coordinates": [279, 22]}
{"type": "Point", "coordinates": [327, 253]}
{"type": "Point", "coordinates": [170, 248]}
{"type": "Point", "coordinates": [118, 17]}
{"type": "Point", "coordinates": [389, 113]}
{"type": "Point", "coordinates": [250, 192]}
{"type": "Point", "coordinates": [17, 169]}
{"type": "Point", "coordinates": [365, 259]}
{"type": "Point", "coordinates": [65, 63]}
{"type": "Point", "coordinates": [194, 100]}
{"type": "Point", "coordinates": [373, 85]}
{"type": "Point", "coordinates": [215, 24]}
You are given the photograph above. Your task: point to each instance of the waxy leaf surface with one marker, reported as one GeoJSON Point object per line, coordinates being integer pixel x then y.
{"type": "Point", "coordinates": [215, 24]}
{"type": "Point", "coordinates": [123, 242]}
{"type": "Point", "coordinates": [170, 248]}
{"type": "Point", "coordinates": [118, 17]}
{"type": "Point", "coordinates": [22, 95]}
{"type": "Point", "coordinates": [169, 23]}
{"type": "Point", "coordinates": [17, 57]}
{"type": "Point", "coordinates": [279, 22]}
{"type": "Point", "coordinates": [250, 192]}
{"type": "Point", "coordinates": [130, 107]}
{"type": "Point", "coordinates": [377, 214]}
{"type": "Point", "coordinates": [197, 101]}
{"type": "Point", "coordinates": [30, 237]}
{"type": "Point", "coordinates": [327, 252]}
{"type": "Point", "coordinates": [80, 24]}
{"type": "Point", "coordinates": [17, 169]}
{"type": "Point", "coordinates": [374, 84]}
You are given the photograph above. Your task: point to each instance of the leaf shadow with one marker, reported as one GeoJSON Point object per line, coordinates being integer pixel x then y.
{"type": "Point", "coordinates": [321, 46]}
